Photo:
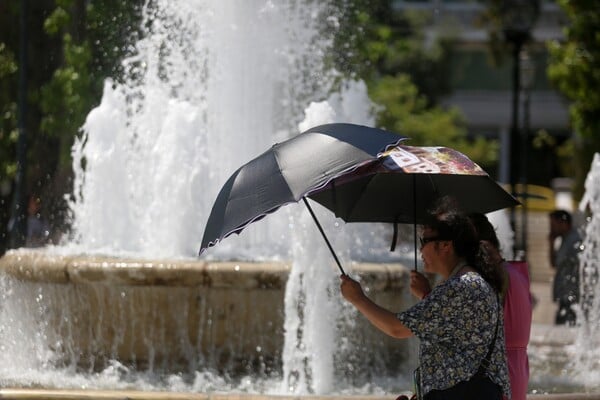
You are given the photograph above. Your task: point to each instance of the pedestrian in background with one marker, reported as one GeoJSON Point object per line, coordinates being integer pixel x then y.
{"type": "Point", "coordinates": [38, 230]}
{"type": "Point", "coordinates": [564, 246]}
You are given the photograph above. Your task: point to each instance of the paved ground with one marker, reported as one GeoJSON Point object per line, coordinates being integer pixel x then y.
{"type": "Point", "coordinates": [545, 308]}
{"type": "Point", "coordinates": [39, 394]}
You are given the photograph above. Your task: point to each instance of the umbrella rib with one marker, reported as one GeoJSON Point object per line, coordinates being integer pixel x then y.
{"type": "Point", "coordinates": [354, 167]}
{"type": "Point", "coordinates": [339, 174]}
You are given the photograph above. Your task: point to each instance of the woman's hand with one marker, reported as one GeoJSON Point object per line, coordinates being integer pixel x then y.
{"type": "Point", "coordinates": [383, 319]}
{"type": "Point", "coordinates": [419, 284]}
{"type": "Point", "coordinates": [351, 289]}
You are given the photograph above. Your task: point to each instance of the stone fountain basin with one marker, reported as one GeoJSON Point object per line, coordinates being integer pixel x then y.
{"type": "Point", "coordinates": [177, 315]}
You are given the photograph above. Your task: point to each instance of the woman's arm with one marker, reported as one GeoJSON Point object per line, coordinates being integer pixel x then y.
{"type": "Point", "coordinates": [384, 320]}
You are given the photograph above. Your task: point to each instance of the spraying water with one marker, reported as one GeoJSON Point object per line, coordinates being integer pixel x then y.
{"type": "Point", "coordinates": [198, 102]}
{"type": "Point", "coordinates": [210, 85]}
{"type": "Point", "coordinates": [587, 344]}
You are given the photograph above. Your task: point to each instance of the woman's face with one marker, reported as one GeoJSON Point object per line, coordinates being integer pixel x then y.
{"type": "Point", "coordinates": [430, 250]}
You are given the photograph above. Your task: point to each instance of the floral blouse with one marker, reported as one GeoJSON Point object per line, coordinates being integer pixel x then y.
{"type": "Point", "coordinates": [455, 325]}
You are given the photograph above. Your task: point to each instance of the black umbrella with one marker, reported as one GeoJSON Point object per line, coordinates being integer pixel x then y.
{"type": "Point", "coordinates": [405, 182]}
{"type": "Point", "coordinates": [359, 173]}
{"type": "Point", "coordinates": [288, 171]}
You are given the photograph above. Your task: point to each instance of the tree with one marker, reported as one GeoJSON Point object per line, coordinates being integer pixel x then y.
{"type": "Point", "coordinates": [575, 70]}
{"type": "Point", "coordinates": [406, 76]}
{"type": "Point", "coordinates": [95, 37]}
{"type": "Point", "coordinates": [73, 45]}
{"type": "Point", "coordinates": [407, 111]}
{"type": "Point", "coordinates": [8, 133]}
{"type": "Point", "coordinates": [40, 61]}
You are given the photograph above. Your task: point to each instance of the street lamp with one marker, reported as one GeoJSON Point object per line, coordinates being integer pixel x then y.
{"type": "Point", "coordinates": [527, 81]}
{"type": "Point", "coordinates": [518, 18]}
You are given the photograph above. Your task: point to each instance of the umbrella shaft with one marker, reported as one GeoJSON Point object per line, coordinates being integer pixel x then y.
{"type": "Point", "coordinates": [324, 236]}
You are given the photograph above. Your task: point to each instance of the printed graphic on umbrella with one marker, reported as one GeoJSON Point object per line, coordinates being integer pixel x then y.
{"type": "Point", "coordinates": [362, 174]}
{"type": "Point", "coordinates": [405, 182]}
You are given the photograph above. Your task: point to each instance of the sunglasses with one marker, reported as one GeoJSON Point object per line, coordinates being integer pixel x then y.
{"type": "Point", "coordinates": [425, 240]}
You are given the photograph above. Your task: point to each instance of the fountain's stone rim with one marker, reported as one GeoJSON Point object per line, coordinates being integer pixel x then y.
{"type": "Point", "coordinates": [40, 266]}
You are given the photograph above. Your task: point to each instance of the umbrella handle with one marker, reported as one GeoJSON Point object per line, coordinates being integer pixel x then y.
{"type": "Point", "coordinates": [324, 236]}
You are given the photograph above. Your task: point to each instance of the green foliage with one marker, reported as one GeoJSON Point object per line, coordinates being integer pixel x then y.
{"type": "Point", "coordinates": [67, 98]}
{"type": "Point", "coordinates": [75, 86]}
{"type": "Point", "coordinates": [57, 21]}
{"type": "Point", "coordinates": [386, 42]}
{"type": "Point", "coordinates": [408, 76]}
{"type": "Point", "coordinates": [8, 65]}
{"type": "Point", "coordinates": [8, 114]}
{"type": "Point", "coordinates": [72, 46]}
{"type": "Point", "coordinates": [575, 70]}
{"type": "Point", "coordinates": [491, 21]}
{"type": "Point", "coordinates": [406, 111]}
{"type": "Point", "coordinates": [112, 29]}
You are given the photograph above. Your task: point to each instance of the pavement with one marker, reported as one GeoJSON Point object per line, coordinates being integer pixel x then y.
{"type": "Point", "coordinates": [544, 308]}
{"type": "Point", "coordinates": [39, 394]}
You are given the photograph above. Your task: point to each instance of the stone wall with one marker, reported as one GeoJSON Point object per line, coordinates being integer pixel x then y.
{"type": "Point", "coordinates": [153, 315]}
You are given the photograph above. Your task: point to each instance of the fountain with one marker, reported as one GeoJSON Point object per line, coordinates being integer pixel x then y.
{"type": "Point", "coordinates": [126, 304]}
{"type": "Point", "coordinates": [586, 362]}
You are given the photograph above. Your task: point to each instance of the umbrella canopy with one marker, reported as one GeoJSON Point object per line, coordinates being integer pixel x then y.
{"type": "Point", "coordinates": [405, 181]}
{"type": "Point", "coordinates": [289, 170]}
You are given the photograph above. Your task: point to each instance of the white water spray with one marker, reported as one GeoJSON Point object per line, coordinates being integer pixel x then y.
{"type": "Point", "coordinates": [312, 301]}
{"type": "Point", "coordinates": [211, 85]}
{"type": "Point", "coordinates": [586, 362]}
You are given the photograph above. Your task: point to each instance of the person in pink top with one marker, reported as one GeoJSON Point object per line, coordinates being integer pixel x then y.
{"type": "Point", "coordinates": [517, 308]}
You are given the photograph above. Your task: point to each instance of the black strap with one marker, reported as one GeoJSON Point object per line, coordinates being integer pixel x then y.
{"type": "Point", "coordinates": [486, 361]}
{"type": "Point", "coordinates": [395, 237]}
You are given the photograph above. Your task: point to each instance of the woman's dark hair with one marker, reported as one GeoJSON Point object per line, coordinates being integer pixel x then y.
{"type": "Point", "coordinates": [455, 226]}
{"type": "Point", "coordinates": [460, 229]}
{"type": "Point", "coordinates": [496, 275]}
{"type": "Point", "coordinates": [484, 228]}
{"type": "Point", "coordinates": [561, 215]}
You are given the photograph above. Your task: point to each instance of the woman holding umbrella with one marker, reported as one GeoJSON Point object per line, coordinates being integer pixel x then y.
{"type": "Point", "coordinates": [459, 323]}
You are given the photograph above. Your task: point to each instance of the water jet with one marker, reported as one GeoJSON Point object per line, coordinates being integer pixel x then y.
{"type": "Point", "coordinates": [124, 304]}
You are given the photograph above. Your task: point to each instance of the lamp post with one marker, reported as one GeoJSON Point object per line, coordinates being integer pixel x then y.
{"type": "Point", "coordinates": [518, 18]}
{"type": "Point", "coordinates": [527, 81]}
